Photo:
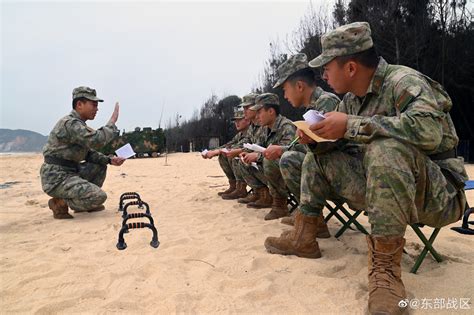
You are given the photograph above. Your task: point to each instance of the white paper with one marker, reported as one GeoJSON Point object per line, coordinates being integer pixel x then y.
{"type": "Point", "coordinates": [204, 152]}
{"type": "Point", "coordinates": [254, 147]}
{"type": "Point", "coordinates": [125, 151]}
{"type": "Point", "coordinates": [313, 116]}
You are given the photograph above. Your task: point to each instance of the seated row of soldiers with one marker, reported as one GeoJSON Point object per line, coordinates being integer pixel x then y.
{"type": "Point", "coordinates": [395, 155]}
{"type": "Point", "coordinates": [258, 121]}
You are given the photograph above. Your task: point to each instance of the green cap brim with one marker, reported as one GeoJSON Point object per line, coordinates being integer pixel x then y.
{"type": "Point", "coordinates": [320, 61]}
{"type": "Point", "coordinates": [280, 82]}
{"type": "Point", "coordinates": [94, 99]}
{"type": "Point", "coordinates": [245, 104]}
{"type": "Point", "coordinates": [256, 107]}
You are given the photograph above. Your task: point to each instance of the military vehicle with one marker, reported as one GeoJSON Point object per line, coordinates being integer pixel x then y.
{"type": "Point", "coordinates": [144, 141]}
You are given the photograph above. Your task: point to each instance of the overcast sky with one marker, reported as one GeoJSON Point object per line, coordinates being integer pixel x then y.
{"type": "Point", "coordinates": [146, 55]}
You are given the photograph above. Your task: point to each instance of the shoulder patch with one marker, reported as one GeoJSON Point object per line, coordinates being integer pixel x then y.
{"type": "Point", "coordinates": [407, 96]}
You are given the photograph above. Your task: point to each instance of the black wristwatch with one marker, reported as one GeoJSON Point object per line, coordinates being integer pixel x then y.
{"type": "Point", "coordinates": [110, 161]}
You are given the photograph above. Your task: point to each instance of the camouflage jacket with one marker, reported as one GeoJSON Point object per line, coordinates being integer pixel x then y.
{"type": "Point", "coordinates": [253, 133]}
{"type": "Point", "coordinates": [404, 104]}
{"type": "Point", "coordinates": [282, 133]}
{"type": "Point", "coordinates": [321, 101]}
{"type": "Point", "coordinates": [235, 143]}
{"type": "Point", "coordinates": [71, 139]}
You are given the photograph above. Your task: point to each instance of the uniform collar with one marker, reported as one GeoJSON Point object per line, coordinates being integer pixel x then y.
{"type": "Point", "coordinates": [277, 123]}
{"type": "Point", "coordinates": [317, 92]}
{"type": "Point", "coordinates": [76, 114]}
{"type": "Point", "coordinates": [377, 80]}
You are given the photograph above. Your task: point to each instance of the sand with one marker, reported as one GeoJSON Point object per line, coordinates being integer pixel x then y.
{"type": "Point", "coordinates": [211, 258]}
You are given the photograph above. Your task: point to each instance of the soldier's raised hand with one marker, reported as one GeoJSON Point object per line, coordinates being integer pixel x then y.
{"type": "Point", "coordinates": [115, 114]}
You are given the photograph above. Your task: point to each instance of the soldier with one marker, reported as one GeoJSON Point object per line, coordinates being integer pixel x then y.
{"type": "Point", "coordinates": [231, 170]}
{"type": "Point", "coordinates": [407, 173]}
{"type": "Point", "coordinates": [252, 136]}
{"type": "Point", "coordinates": [73, 171]}
{"type": "Point", "coordinates": [277, 130]}
{"type": "Point", "coordinates": [299, 85]}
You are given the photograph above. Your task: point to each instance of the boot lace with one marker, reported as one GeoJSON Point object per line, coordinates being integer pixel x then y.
{"type": "Point", "coordinates": [382, 270]}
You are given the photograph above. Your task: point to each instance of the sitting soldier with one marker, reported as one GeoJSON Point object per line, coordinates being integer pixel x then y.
{"type": "Point", "coordinates": [231, 169]}
{"type": "Point", "coordinates": [299, 85]}
{"type": "Point", "coordinates": [405, 171]}
{"type": "Point", "coordinates": [277, 130]}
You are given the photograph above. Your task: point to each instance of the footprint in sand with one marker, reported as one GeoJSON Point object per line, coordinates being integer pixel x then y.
{"type": "Point", "coordinates": [31, 202]}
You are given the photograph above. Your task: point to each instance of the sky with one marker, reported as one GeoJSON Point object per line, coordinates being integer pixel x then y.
{"type": "Point", "coordinates": [156, 58]}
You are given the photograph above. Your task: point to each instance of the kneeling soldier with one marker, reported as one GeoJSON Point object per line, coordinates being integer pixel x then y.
{"type": "Point", "coordinates": [73, 171]}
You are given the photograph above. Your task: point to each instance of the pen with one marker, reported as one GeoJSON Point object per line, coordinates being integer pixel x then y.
{"type": "Point", "coordinates": [293, 142]}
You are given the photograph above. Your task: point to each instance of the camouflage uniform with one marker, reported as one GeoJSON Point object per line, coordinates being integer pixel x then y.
{"type": "Point", "coordinates": [289, 173]}
{"type": "Point", "coordinates": [403, 120]}
{"type": "Point", "coordinates": [292, 158]}
{"type": "Point", "coordinates": [254, 132]}
{"type": "Point", "coordinates": [281, 133]}
{"type": "Point", "coordinates": [230, 166]}
{"type": "Point", "coordinates": [227, 164]}
{"type": "Point", "coordinates": [71, 140]}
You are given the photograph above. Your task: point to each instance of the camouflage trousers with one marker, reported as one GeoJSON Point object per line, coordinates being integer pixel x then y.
{"type": "Point", "coordinates": [275, 182]}
{"type": "Point", "coordinates": [80, 190]}
{"type": "Point", "coordinates": [394, 182]}
{"type": "Point", "coordinates": [231, 167]}
{"type": "Point", "coordinates": [290, 168]}
{"type": "Point", "coordinates": [255, 178]}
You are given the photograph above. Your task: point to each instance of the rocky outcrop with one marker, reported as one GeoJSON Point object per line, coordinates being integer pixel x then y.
{"type": "Point", "coordinates": [21, 141]}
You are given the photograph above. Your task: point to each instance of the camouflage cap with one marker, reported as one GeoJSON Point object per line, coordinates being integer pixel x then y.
{"type": "Point", "coordinates": [238, 113]}
{"type": "Point", "coordinates": [344, 40]}
{"type": "Point", "coordinates": [248, 99]}
{"type": "Point", "coordinates": [291, 65]}
{"type": "Point", "coordinates": [86, 92]}
{"type": "Point", "coordinates": [265, 99]}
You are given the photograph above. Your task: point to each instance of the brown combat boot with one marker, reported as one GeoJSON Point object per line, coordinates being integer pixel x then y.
{"type": "Point", "coordinates": [59, 208]}
{"type": "Point", "coordinates": [232, 186]}
{"type": "Point", "coordinates": [386, 288]}
{"type": "Point", "coordinates": [301, 241]}
{"type": "Point", "coordinates": [279, 209]}
{"type": "Point", "coordinates": [264, 200]}
{"type": "Point", "coordinates": [323, 231]}
{"type": "Point", "coordinates": [252, 197]}
{"type": "Point", "coordinates": [239, 192]}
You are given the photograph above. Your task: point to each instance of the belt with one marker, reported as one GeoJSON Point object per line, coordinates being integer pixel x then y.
{"type": "Point", "coordinates": [61, 162]}
{"type": "Point", "coordinates": [443, 155]}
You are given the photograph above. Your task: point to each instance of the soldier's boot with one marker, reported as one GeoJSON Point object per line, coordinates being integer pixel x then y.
{"type": "Point", "coordinates": [279, 209]}
{"type": "Point", "coordinates": [252, 197]}
{"type": "Point", "coordinates": [323, 231]}
{"type": "Point", "coordinates": [232, 186]}
{"type": "Point", "coordinates": [264, 200]}
{"type": "Point", "coordinates": [301, 241]}
{"type": "Point", "coordinates": [59, 208]}
{"type": "Point", "coordinates": [239, 192]}
{"type": "Point", "coordinates": [386, 288]}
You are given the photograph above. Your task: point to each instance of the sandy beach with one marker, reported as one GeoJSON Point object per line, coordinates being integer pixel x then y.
{"type": "Point", "coordinates": [211, 258]}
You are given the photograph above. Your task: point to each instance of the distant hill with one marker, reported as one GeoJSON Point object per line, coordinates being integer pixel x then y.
{"type": "Point", "coordinates": [21, 141]}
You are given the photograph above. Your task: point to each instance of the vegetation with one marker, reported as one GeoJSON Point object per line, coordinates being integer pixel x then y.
{"type": "Point", "coordinates": [436, 37]}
